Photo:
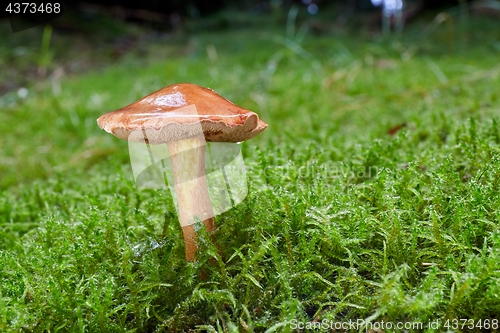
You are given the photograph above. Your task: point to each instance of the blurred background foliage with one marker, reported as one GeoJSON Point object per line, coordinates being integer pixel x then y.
{"type": "Point", "coordinates": [101, 32]}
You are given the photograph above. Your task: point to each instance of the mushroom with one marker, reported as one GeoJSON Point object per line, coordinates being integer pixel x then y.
{"type": "Point", "coordinates": [184, 116]}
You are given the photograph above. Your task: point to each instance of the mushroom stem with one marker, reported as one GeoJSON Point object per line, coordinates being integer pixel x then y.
{"type": "Point", "coordinates": [187, 157]}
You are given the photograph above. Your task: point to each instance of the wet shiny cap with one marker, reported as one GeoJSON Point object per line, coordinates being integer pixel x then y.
{"type": "Point", "coordinates": [181, 111]}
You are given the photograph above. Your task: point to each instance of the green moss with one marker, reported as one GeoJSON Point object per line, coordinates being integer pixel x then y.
{"type": "Point", "coordinates": [343, 221]}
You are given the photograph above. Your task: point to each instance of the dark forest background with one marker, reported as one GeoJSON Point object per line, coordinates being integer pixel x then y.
{"type": "Point", "coordinates": [159, 10]}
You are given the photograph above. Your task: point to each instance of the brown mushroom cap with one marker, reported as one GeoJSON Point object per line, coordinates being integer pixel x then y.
{"type": "Point", "coordinates": [181, 111]}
